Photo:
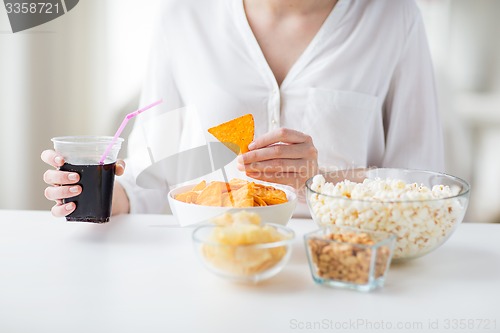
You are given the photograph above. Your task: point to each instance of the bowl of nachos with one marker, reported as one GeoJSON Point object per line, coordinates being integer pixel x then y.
{"type": "Point", "coordinates": [203, 200]}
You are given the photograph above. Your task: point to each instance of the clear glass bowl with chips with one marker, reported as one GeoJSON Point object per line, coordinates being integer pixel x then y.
{"type": "Point", "coordinates": [240, 255]}
{"type": "Point", "coordinates": [193, 204]}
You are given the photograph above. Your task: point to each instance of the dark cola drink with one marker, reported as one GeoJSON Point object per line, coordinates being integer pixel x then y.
{"type": "Point", "coordinates": [94, 203]}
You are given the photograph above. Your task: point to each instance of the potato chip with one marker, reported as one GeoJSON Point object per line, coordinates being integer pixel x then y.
{"type": "Point", "coordinates": [240, 217]}
{"type": "Point", "coordinates": [238, 230]}
{"type": "Point", "coordinates": [236, 134]}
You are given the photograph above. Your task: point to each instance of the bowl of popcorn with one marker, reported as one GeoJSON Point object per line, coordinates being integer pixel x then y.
{"type": "Point", "coordinates": [421, 208]}
{"type": "Point", "coordinates": [348, 257]}
{"type": "Point", "coordinates": [192, 204]}
{"type": "Point", "coordinates": [240, 248]}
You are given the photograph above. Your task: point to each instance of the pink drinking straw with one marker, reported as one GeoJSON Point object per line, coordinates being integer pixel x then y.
{"type": "Point", "coordinates": [122, 126]}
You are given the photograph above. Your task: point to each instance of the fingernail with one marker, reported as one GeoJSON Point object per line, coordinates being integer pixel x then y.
{"type": "Point", "coordinates": [251, 145]}
{"type": "Point", "coordinates": [73, 176]}
{"type": "Point", "coordinates": [69, 206]}
{"type": "Point", "coordinates": [239, 159]}
{"type": "Point", "coordinates": [58, 160]}
{"type": "Point", "coordinates": [73, 189]}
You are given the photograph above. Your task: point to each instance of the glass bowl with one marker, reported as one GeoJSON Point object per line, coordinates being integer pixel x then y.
{"type": "Point", "coordinates": [243, 263]}
{"type": "Point", "coordinates": [349, 258]}
{"type": "Point", "coordinates": [421, 220]}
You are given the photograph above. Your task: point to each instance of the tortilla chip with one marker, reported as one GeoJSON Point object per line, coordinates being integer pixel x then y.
{"type": "Point", "coordinates": [259, 201]}
{"type": "Point", "coordinates": [235, 134]}
{"type": "Point", "coordinates": [193, 197]}
{"type": "Point", "coordinates": [200, 186]}
{"type": "Point", "coordinates": [271, 195]}
{"type": "Point", "coordinates": [244, 196]}
{"type": "Point", "coordinates": [182, 196]}
{"type": "Point", "coordinates": [274, 201]}
{"type": "Point", "coordinates": [225, 187]}
{"type": "Point", "coordinates": [237, 193]}
{"type": "Point", "coordinates": [187, 197]}
{"type": "Point", "coordinates": [211, 195]}
{"type": "Point", "coordinates": [227, 200]}
{"type": "Point", "coordinates": [236, 184]}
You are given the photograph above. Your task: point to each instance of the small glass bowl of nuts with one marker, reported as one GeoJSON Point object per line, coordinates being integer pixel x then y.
{"type": "Point", "coordinates": [348, 257]}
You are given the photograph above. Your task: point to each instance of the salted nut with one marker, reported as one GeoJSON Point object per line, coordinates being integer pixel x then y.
{"type": "Point", "coordinates": [348, 260]}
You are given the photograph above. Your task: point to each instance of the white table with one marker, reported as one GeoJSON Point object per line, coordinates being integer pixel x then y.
{"type": "Point", "coordinates": [139, 273]}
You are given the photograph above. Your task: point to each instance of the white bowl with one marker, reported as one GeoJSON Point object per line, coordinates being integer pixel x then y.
{"type": "Point", "coordinates": [188, 214]}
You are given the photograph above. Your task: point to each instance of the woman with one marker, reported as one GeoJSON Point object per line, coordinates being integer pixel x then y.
{"type": "Point", "coordinates": [331, 84]}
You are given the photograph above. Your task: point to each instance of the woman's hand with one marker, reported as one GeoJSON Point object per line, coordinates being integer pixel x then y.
{"type": "Point", "coordinates": [281, 156]}
{"type": "Point", "coordinates": [62, 183]}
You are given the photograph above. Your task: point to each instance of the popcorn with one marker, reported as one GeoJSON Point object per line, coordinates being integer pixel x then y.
{"type": "Point", "coordinates": [419, 216]}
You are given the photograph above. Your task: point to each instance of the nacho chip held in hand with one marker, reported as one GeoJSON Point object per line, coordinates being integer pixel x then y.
{"type": "Point", "coordinates": [237, 193]}
{"type": "Point", "coordinates": [236, 134]}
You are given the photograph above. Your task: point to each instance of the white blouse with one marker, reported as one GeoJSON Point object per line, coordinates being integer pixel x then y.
{"type": "Point", "coordinates": [363, 88]}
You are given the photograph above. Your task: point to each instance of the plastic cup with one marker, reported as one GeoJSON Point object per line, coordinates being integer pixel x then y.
{"type": "Point", "coordinates": [82, 155]}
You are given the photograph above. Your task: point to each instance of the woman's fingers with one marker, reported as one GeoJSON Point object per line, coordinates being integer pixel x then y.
{"type": "Point", "coordinates": [282, 156]}
{"type": "Point", "coordinates": [281, 151]}
{"type": "Point", "coordinates": [56, 177]}
{"type": "Point", "coordinates": [63, 183]}
{"type": "Point", "coordinates": [120, 167]}
{"type": "Point", "coordinates": [52, 158]}
{"type": "Point", "coordinates": [279, 135]}
{"type": "Point", "coordinates": [61, 210]}
{"type": "Point", "coordinates": [62, 192]}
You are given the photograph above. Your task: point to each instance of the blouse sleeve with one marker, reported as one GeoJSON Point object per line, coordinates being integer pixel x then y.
{"type": "Point", "coordinates": [411, 119]}
{"type": "Point", "coordinates": [149, 130]}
